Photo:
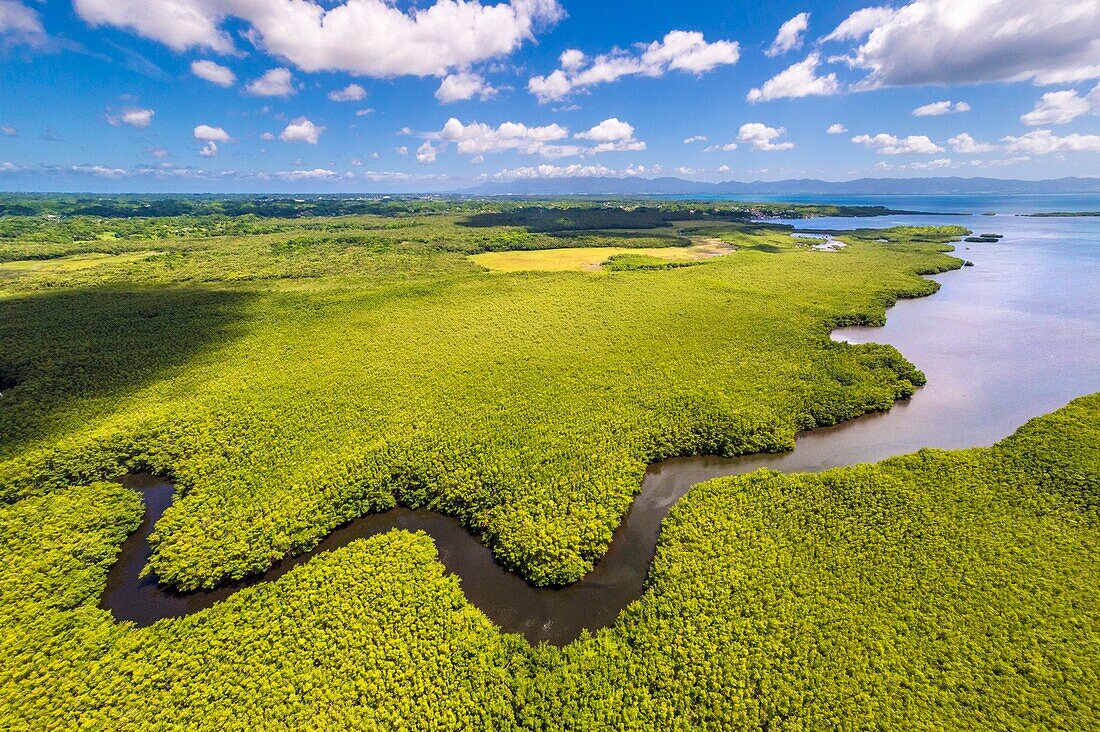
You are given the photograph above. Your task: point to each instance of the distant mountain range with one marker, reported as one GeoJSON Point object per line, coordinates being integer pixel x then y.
{"type": "Point", "coordinates": [804, 186]}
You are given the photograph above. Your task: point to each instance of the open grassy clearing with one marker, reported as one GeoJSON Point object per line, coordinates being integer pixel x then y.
{"type": "Point", "coordinates": [71, 263]}
{"type": "Point", "coordinates": [589, 259]}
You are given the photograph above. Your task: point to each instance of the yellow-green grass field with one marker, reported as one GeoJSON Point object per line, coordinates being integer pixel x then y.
{"type": "Point", "coordinates": [73, 263]}
{"type": "Point", "coordinates": [589, 259]}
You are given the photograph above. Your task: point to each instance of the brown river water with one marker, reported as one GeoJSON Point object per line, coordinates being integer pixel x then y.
{"type": "Point", "coordinates": [1014, 337]}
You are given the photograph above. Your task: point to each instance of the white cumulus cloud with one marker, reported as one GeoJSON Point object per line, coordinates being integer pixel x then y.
{"type": "Point", "coordinates": [762, 137]}
{"type": "Point", "coordinates": [933, 164]}
{"type": "Point", "coordinates": [101, 171]}
{"type": "Point", "coordinates": [301, 130]}
{"type": "Point", "coordinates": [695, 138]}
{"type": "Point", "coordinates": [375, 38]}
{"type": "Point", "coordinates": [274, 83]}
{"type": "Point", "coordinates": [952, 42]}
{"type": "Point", "coordinates": [426, 153]}
{"type": "Point", "coordinates": [886, 144]}
{"type": "Point", "coordinates": [1062, 107]}
{"type": "Point", "coordinates": [937, 109]}
{"type": "Point", "coordinates": [478, 138]}
{"type": "Point", "coordinates": [799, 80]}
{"type": "Point", "coordinates": [1045, 142]}
{"type": "Point", "coordinates": [967, 145]}
{"type": "Point", "coordinates": [572, 59]}
{"type": "Point", "coordinates": [860, 23]}
{"type": "Point", "coordinates": [209, 150]}
{"type": "Point", "coordinates": [350, 93]}
{"type": "Point", "coordinates": [790, 35]}
{"type": "Point", "coordinates": [214, 73]}
{"type": "Point", "coordinates": [610, 130]}
{"type": "Point", "coordinates": [211, 134]}
{"type": "Point", "coordinates": [315, 174]}
{"type": "Point", "coordinates": [836, 129]}
{"type": "Point", "coordinates": [685, 51]}
{"type": "Point", "coordinates": [562, 171]}
{"type": "Point", "coordinates": [462, 86]}
{"type": "Point", "coordinates": [612, 135]}
{"type": "Point", "coordinates": [132, 116]}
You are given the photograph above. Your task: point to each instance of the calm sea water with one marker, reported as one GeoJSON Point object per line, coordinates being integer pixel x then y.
{"type": "Point", "coordinates": [1013, 337]}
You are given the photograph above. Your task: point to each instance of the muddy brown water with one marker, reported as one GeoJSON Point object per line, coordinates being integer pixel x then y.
{"type": "Point", "coordinates": [1014, 337]}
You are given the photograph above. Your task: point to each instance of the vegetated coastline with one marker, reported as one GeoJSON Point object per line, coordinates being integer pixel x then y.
{"type": "Point", "coordinates": [948, 590]}
{"type": "Point", "coordinates": [1061, 214]}
{"type": "Point", "coordinates": [555, 614]}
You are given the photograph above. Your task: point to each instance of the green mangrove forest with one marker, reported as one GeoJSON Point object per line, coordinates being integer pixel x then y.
{"type": "Point", "coordinates": [295, 364]}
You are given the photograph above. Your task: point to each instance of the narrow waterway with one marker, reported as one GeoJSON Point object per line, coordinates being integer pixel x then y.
{"type": "Point", "coordinates": [1016, 336]}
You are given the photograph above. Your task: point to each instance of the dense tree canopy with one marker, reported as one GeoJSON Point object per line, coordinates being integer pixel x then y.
{"type": "Point", "coordinates": [292, 374]}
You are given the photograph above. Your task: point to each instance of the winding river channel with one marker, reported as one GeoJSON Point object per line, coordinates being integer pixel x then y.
{"type": "Point", "coordinates": [1015, 336]}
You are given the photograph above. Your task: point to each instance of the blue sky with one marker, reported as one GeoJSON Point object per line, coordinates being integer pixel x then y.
{"type": "Point", "coordinates": [367, 95]}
